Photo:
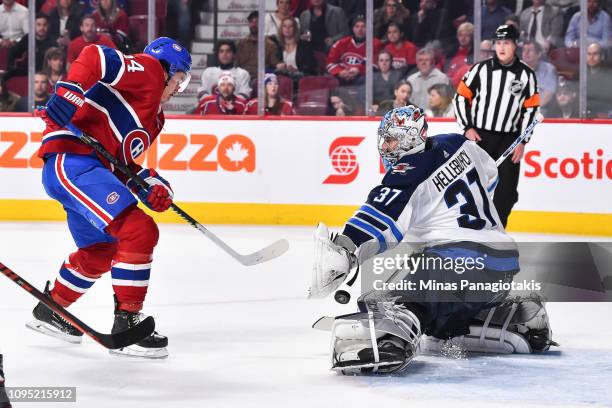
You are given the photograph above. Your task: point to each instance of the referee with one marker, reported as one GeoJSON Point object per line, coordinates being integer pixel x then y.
{"type": "Point", "coordinates": [496, 100]}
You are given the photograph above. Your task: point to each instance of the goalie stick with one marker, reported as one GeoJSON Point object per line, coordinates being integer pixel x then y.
{"type": "Point", "coordinates": [268, 253]}
{"type": "Point", "coordinates": [111, 341]}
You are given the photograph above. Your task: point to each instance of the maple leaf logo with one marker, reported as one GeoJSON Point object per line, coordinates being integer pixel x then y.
{"type": "Point", "coordinates": [237, 153]}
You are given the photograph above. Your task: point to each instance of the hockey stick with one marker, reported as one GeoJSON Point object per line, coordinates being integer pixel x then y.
{"type": "Point", "coordinates": [110, 341]}
{"type": "Point", "coordinates": [518, 140]}
{"type": "Point", "coordinates": [270, 252]}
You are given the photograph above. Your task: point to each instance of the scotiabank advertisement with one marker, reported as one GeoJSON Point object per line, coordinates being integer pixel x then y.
{"type": "Point", "coordinates": [567, 166]}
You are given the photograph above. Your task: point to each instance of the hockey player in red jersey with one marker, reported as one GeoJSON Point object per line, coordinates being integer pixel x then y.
{"type": "Point", "coordinates": [116, 99]}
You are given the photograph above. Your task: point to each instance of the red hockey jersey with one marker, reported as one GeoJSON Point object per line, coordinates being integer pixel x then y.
{"type": "Point", "coordinates": [405, 55]}
{"type": "Point", "coordinates": [284, 108]}
{"type": "Point", "coordinates": [215, 105]}
{"type": "Point", "coordinates": [122, 104]}
{"type": "Point", "coordinates": [346, 53]}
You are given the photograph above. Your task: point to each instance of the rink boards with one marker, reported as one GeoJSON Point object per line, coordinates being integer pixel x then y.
{"type": "Point", "coordinates": [301, 171]}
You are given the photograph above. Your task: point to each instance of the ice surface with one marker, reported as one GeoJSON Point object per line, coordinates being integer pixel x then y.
{"type": "Point", "coordinates": [241, 337]}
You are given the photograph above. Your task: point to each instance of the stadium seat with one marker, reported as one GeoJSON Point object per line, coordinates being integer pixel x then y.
{"type": "Point", "coordinates": [566, 60]}
{"type": "Point", "coordinates": [285, 87]}
{"type": "Point", "coordinates": [18, 84]}
{"type": "Point", "coordinates": [313, 94]}
{"type": "Point", "coordinates": [3, 58]}
{"type": "Point", "coordinates": [140, 7]}
{"type": "Point", "coordinates": [321, 61]}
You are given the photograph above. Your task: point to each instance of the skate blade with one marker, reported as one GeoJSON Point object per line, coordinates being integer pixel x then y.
{"type": "Point", "coordinates": [140, 352]}
{"type": "Point", "coordinates": [49, 330]}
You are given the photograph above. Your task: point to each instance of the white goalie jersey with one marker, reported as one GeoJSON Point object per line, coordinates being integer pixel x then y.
{"type": "Point", "coordinates": [441, 195]}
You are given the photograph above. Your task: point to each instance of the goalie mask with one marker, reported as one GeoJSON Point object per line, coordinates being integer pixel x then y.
{"type": "Point", "coordinates": [402, 131]}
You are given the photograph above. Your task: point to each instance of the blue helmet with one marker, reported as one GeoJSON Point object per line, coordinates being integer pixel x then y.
{"type": "Point", "coordinates": [172, 53]}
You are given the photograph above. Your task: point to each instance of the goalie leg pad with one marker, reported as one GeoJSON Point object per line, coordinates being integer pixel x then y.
{"type": "Point", "coordinates": [518, 325]}
{"type": "Point", "coordinates": [383, 340]}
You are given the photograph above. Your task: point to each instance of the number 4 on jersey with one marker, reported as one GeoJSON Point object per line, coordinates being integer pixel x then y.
{"type": "Point", "coordinates": [133, 65]}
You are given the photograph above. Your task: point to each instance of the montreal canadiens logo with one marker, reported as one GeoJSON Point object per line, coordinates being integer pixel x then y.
{"type": "Point", "coordinates": [177, 47]}
{"type": "Point", "coordinates": [134, 144]}
{"type": "Point", "coordinates": [112, 198]}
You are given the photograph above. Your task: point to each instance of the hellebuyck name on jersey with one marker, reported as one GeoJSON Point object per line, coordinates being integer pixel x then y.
{"type": "Point", "coordinates": [453, 170]}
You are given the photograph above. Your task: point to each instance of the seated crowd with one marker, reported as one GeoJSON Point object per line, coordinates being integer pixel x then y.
{"type": "Point", "coordinates": [315, 53]}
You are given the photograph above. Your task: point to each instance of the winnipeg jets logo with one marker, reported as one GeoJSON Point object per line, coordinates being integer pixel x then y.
{"type": "Point", "coordinates": [516, 87]}
{"type": "Point", "coordinates": [401, 168]}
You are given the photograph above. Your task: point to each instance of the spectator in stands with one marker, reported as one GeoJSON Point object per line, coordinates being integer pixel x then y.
{"type": "Point", "coordinates": [346, 59]}
{"type": "Point", "coordinates": [565, 103]}
{"type": "Point", "coordinates": [403, 51]}
{"type": "Point", "coordinates": [275, 104]}
{"type": "Point", "coordinates": [89, 35]}
{"type": "Point", "coordinates": [493, 15]}
{"type": "Point", "coordinates": [54, 66]}
{"type": "Point", "coordinates": [246, 54]}
{"type": "Point", "coordinates": [323, 25]}
{"type": "Point", "coordinates": [599, 29]}
{"type": "Point", "coordinates": [274, 19]}
{"type": "Point", "coordinates": [41, 94]}
{"type": "Point", "coordinates": [426, 76]}
{"type": "Point", "coordinates": [112, 20]}
{"type": "Point", "coordinates": [8, 99]}
{"type": "Point", "coordinates": [392, 11]}
{"type": "Point", "coordinates": [402, 92]}
{"type": "Point", "coordinates": [340, 103]}
{"type": "Point", "coordinates": [542, 23]}
{"type": "Point", "coordinates": [546, 73]}
{"type": "Point", "coordinates": [43, 41]}
{"type": "Point", "coordinates": [514, 20]}
{"type": "Point", "coordinates": [13, 22]}
{"type": "Point", "coordinates": [486, 49]}
{"type": "Point", "coordinates": [440, 102]}
{"type": "Point", "coordinates": [225, 102]}
{"type": "Point", "coordinates": [351, 8]}
{"type": "Point", "coordinates": [460, 11]}
{"type": "Point", "coordinates": [295, 55]}
{"type": "Point", "coordinates": [66, 21]}
{"type": "Point", "coordinates": [385, 78]}
{"type": "Point", "coordinates": [225, 52]}
{"type": "Point", "coordinates": [461, 56]}
{"type": "Point", "coordinates": [599, 82]}
{"type": "Point", "coordinates": [89, 6]}
{"type": "Point", "coordinates": [430, 23]}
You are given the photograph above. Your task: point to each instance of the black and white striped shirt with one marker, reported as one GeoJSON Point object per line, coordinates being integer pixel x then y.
{"type": "Point", "coordinates": [496, 97]}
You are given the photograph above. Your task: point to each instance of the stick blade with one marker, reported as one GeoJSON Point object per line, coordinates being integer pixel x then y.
{"type": "Point", "coordinates": [266, 254]}
{"type": "Point", "coordinates": [126, 338]}
{"type": "Point", "coordinates": [325, 323]}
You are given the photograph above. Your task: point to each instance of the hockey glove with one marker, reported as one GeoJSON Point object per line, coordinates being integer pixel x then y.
{"type": "Point", "coordinates": [158, 196]}
{"type": "Point", "coordinates": [334, 258]}
{"type": "Point", "coordinates": [62, 105]}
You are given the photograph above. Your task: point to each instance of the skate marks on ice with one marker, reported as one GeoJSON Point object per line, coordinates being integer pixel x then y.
{"type": "Point", "coordinates": [572, 377]}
